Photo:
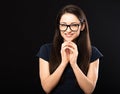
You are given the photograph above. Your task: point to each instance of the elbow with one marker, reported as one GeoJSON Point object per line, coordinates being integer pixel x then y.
{"type": "Point", "coordinates": [46, 91]}
{"type": "Point", "coordinates": [89, 90]}
{"type": "Point", "coordinates": [46, 88]}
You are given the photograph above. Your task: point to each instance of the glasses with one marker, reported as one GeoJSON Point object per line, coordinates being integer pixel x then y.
{"type": "Point", "coordinates": [73, 27]}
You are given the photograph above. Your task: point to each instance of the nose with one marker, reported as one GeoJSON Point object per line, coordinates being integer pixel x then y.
{"type": "Point", "coordinates": [68, 29]}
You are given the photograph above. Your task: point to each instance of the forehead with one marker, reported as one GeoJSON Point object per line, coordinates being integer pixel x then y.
{"type": "Point", "coordinates": [68, 17]}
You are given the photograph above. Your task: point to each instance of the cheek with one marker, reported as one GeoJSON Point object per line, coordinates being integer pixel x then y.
{"type": "Point", "coordinates": [62, 34]}
{"type": "Point", "coordinates": [77, 33]}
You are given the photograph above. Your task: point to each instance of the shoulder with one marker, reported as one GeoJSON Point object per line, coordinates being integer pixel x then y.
{"type": "Point", "coordinates": [95, 50]}
{"type": "Point", "coordinates": [46, 45]}
{"type": "Point", "coordinates": [95, 54]}
{"type": "Point", "coordinates": [44, 51]}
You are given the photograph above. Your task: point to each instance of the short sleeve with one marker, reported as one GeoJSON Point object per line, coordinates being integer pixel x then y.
{"type": "Point", "coordinates": [95, 54]}
{"type": "Point", "coordinates": [44, 52]}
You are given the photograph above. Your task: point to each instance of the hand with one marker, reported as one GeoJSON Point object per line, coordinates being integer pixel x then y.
{"type": "Point", "coordinates": [73, 52]}
{"type": "Point", "coordinates": [65, 53]}
{"type": "Point", "coordinates": [69, 52]}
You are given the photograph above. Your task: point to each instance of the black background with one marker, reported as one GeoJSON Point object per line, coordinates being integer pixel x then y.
{"type": "Point", "coordinates": [27, 24]}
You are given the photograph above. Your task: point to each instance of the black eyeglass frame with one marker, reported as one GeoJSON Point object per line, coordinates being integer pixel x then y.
{"type": "Point", "coordinates": [81, 20]}
{"type": "Point", "coordinates": [70, 27]}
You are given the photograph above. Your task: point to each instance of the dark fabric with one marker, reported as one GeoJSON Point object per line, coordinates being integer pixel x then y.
{"type": "Point", "coordinates": [95, 54]}
{"type": "Point", "coordinates": [45, 49]}
{"type": "Point", "coordinates": [67, 84]}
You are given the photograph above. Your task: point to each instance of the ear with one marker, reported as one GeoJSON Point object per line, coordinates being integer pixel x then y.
{"type": "Point", "coordinates": [82, 27]}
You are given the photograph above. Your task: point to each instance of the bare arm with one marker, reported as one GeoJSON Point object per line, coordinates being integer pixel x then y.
{"type": "Point", "coordinates": [49, 81]}
{"type": "Point", "coordinates": [87, 83]}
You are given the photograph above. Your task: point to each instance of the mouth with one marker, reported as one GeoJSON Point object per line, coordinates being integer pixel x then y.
{"type": "Point", "coordinates": [68, 35]}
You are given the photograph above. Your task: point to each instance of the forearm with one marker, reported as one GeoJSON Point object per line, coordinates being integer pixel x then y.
{"type": "Point", "coordinates": [85, 84]}
{"type": "Point", "coordinates": [52, 80]}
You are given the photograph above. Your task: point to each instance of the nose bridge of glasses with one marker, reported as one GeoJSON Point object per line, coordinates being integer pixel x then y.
{"type": "Point", "coordinates": [69, 27]}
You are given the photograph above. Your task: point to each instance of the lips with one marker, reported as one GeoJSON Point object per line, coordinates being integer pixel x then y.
{"type": "Point", "coordinates": [69, 35]}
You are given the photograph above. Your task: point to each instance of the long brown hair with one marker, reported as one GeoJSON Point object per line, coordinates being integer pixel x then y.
{"type": "Point", "coordinates": [82, 41]}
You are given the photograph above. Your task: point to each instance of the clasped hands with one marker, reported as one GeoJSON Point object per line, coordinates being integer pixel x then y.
{"type": "Point", "coordinates": [69, 52]}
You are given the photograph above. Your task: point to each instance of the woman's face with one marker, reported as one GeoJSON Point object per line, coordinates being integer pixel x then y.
{"type": "Point", "coordinates": [70, 27]}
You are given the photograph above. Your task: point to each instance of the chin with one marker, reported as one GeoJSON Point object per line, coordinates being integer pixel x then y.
{"type": "Point", "coordinates": [68, 39]}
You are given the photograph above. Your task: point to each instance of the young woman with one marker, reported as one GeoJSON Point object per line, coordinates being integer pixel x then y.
{"type": "Point", "coordinates": [70, 64]}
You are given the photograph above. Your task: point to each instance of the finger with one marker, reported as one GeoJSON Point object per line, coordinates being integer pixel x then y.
{"type": "Point", "coordinates": [70, 49]}
{"type": "Point", "coordinates": [64, 44]}
{"type": "Point", "coordinates": [73, 45]}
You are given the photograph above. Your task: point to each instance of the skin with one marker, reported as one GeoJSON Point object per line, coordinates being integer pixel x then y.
{"type": "Point", "coordinates": [68, 19]}
{"type": "Point", "coordinates": [69, 54]}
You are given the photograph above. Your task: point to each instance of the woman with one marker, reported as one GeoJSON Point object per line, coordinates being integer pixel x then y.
{"type": "Point", "coordinates": [70, 64]}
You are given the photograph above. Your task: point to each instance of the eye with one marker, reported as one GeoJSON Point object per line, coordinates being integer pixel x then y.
{"type": "Point", "coordinates": [63, 24]}
{"type": "Point", "coordinates": [75, 25]}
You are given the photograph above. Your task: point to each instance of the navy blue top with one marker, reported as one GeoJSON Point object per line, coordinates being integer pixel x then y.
{"type": "Point", "coordinates": [67, 84]}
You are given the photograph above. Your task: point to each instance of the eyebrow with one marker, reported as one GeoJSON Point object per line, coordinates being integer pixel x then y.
{"type": "Point", "coordinates": [71, 22]}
